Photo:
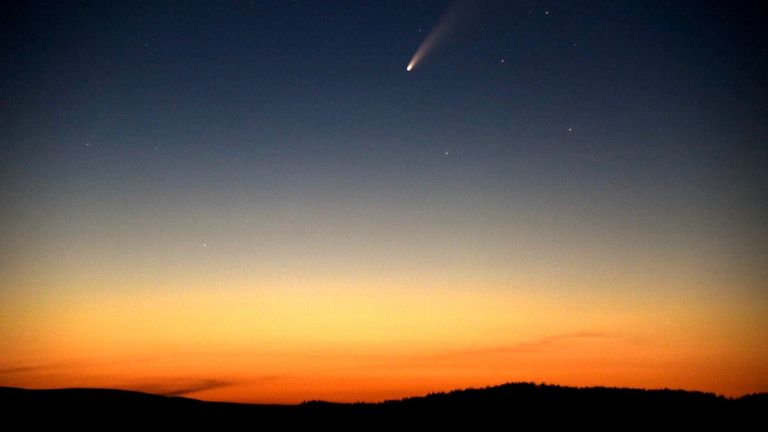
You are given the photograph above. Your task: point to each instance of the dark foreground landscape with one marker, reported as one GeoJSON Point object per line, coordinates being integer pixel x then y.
{"type": "Point", "coordinates": [507, 406]}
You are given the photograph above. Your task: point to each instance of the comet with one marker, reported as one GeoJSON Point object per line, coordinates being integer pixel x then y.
{"type": "Point", "coordinates": [438, 35]}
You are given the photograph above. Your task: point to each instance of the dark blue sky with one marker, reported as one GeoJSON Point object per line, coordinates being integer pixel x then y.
{"type": "Point", "coordinates": [633, 121]}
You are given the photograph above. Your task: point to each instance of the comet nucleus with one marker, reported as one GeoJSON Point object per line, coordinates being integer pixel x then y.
{"type": "Point", "coordinates": [447, 24]}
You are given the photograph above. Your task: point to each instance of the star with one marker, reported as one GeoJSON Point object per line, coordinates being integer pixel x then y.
{"type": "Point", "coordinates": [87, 143]}
{"type": "Point", "coordinates": [502, 60]}
{"type": "Point", "coordinates": [546, 12]}
{"type": "Point", "coordinates": [446, 153]}
{"type": "Point", "coordinates": [570, 129]}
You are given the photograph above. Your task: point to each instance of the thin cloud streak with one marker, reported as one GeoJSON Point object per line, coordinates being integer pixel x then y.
{"type": "Point", "coordinates": [66, 365]}
{"type": "Point", "coordinates": [181, 386]}
{"type": "Point", "coordinates": [534, 345]}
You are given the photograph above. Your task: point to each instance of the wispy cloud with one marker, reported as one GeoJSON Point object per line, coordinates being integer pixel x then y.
{"type": "Point", "coordinates": [534, 345]}
{"type": "Point", "coordinates": [22, 369]}
{"type": "Point", "coordinates": [10, 369]}
{"type": "Point", "coordinates": [174, 386]}
{"type": "Point", "coordinates": [179, 386]}
{"type": "Point", "coordinates": [182, 386]}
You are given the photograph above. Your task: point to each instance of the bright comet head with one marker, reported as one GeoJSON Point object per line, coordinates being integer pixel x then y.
{"type": "Point", "coordinates": [409, 67]}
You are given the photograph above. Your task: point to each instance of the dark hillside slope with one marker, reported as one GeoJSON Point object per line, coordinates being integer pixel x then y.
{"type": "Point", "coordinates": [511, 404]}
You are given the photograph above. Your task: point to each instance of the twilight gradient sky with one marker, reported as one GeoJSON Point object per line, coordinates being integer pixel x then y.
{"type": "Point", "coordinates": [254, 201]}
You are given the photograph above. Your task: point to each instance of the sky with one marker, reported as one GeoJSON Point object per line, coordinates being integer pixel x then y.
{"type": "Point", "coordinates": [254, 200]}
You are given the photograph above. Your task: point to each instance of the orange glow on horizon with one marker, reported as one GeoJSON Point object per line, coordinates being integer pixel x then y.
{"type": "Point", "coordinates": [290, 344]}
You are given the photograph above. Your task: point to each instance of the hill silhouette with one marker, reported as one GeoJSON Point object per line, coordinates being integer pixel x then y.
{"type": "Point", "coordinates": [513, 405]}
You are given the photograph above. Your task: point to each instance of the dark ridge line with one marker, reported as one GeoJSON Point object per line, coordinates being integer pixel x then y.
{"type": "Point", "coordinates": [470, 391]}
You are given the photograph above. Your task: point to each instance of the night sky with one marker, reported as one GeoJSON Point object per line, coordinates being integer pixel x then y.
{"type": "Point", "coordinates": [255, 201]}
